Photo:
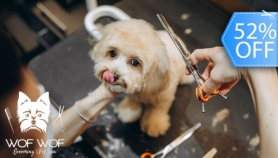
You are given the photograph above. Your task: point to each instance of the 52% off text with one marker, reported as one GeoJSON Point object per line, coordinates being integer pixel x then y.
{"type": "Point", "coordinates": [252, 42]}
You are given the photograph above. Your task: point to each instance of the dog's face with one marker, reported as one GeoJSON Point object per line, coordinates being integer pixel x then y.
{"type": "Point", "coordinates": [33, 115]}
{"type": "Point", "coordinates": [130, 56]}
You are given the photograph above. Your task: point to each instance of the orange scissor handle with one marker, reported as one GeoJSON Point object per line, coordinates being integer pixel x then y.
{"type": "Point", "coordinates": [215, 92]}
{"type": "Point", "coordinates": [147, 155]}
{"type": "Point", "coordinates": [200, 94]}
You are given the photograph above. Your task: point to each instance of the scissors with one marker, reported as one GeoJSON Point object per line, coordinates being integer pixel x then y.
{"type": "Point", "coordinates": [271, 15]}
{"type": "Point", "coordinates": [173, 144]}
{"type": "Point", "coordinates": [200, 95]}
{"type": "Point", "coordinates": [62, 128]}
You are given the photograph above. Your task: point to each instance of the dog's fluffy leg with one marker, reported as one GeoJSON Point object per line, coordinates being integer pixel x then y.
{"type": "Point", "coordinates": [155, 120]}
{"type": "Point", "coordinates": [129, 110]}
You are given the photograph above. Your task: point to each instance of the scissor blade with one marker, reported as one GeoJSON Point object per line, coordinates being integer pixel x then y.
{"type": "Point", "coordinates": [180, 139]}
{"type": "Point", "coordinates": [171, 33]}
{"type": "Point", "coordinates": [192, 68]}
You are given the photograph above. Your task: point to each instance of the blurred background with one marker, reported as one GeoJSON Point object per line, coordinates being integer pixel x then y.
{"type": "Point", "coordinates": [37, 25]}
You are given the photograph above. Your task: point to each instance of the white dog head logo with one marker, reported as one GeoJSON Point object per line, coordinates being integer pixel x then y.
{"type": "Point", "coordinates": [33, 115]}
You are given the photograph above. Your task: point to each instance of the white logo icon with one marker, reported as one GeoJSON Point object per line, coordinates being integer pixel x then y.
{"type": "Point", "coordinates": [33, 115]}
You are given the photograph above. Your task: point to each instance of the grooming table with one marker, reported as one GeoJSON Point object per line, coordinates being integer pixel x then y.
{"type": "Point", "coordinates": [66, 71]}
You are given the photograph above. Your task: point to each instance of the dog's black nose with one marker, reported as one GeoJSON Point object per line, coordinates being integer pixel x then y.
{"type": "Point", "coordinates": [116, 76]}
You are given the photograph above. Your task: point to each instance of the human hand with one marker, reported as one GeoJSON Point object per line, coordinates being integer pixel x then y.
{"type": "Point", "coordinates": [106, 92]}
{"type": "Point", "coordinates": [220, 73]}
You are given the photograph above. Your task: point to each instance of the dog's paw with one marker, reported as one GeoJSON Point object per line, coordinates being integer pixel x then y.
{"type": "Point", "coordinates": [155, 125]}
{"type": "Point", "coordinates": [187, 79]}
{"type": "Point", "coordinates": [127, 115]}
{"type": "Point", "coordinates": [129, 110]}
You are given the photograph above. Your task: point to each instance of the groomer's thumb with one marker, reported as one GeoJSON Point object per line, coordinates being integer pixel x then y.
{"type": "Point", "coordinates": [209, 86]}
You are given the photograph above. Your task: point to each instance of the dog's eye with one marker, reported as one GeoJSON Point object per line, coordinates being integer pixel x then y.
{"type": "Point", "coordinates": [40, 115]}
{"type": "Point", "coordinates": [113, 53]}
{"type": "Point", "coordinates": [135, 62]}
{"type": "Point", "coordinates": [27, 115]}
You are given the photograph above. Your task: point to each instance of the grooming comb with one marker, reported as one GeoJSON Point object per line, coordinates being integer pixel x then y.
{"type": "Point", "coordinates": [9, 116]}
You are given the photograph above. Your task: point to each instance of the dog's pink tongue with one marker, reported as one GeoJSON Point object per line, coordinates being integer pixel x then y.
{"type": "Point", "coordinates": [108, 77]}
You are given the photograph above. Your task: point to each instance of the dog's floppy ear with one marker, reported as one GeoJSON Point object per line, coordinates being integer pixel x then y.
{"type": "Point", "coordinates": [161, 55]}
{"type": "Point", "coordinates": [159, 68]}
{"type": "Point", "coordinates": [98, 49]}
{"type": "Point", "coordinates": [163, 58]}
{"type": "Point", "coordinates": [100, 45]}
{"type": "Point", "coordinates": [93, 52]}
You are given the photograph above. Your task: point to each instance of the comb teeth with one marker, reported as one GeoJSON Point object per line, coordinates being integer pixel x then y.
{"type": "Point", "coordinates": [8, 113]}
